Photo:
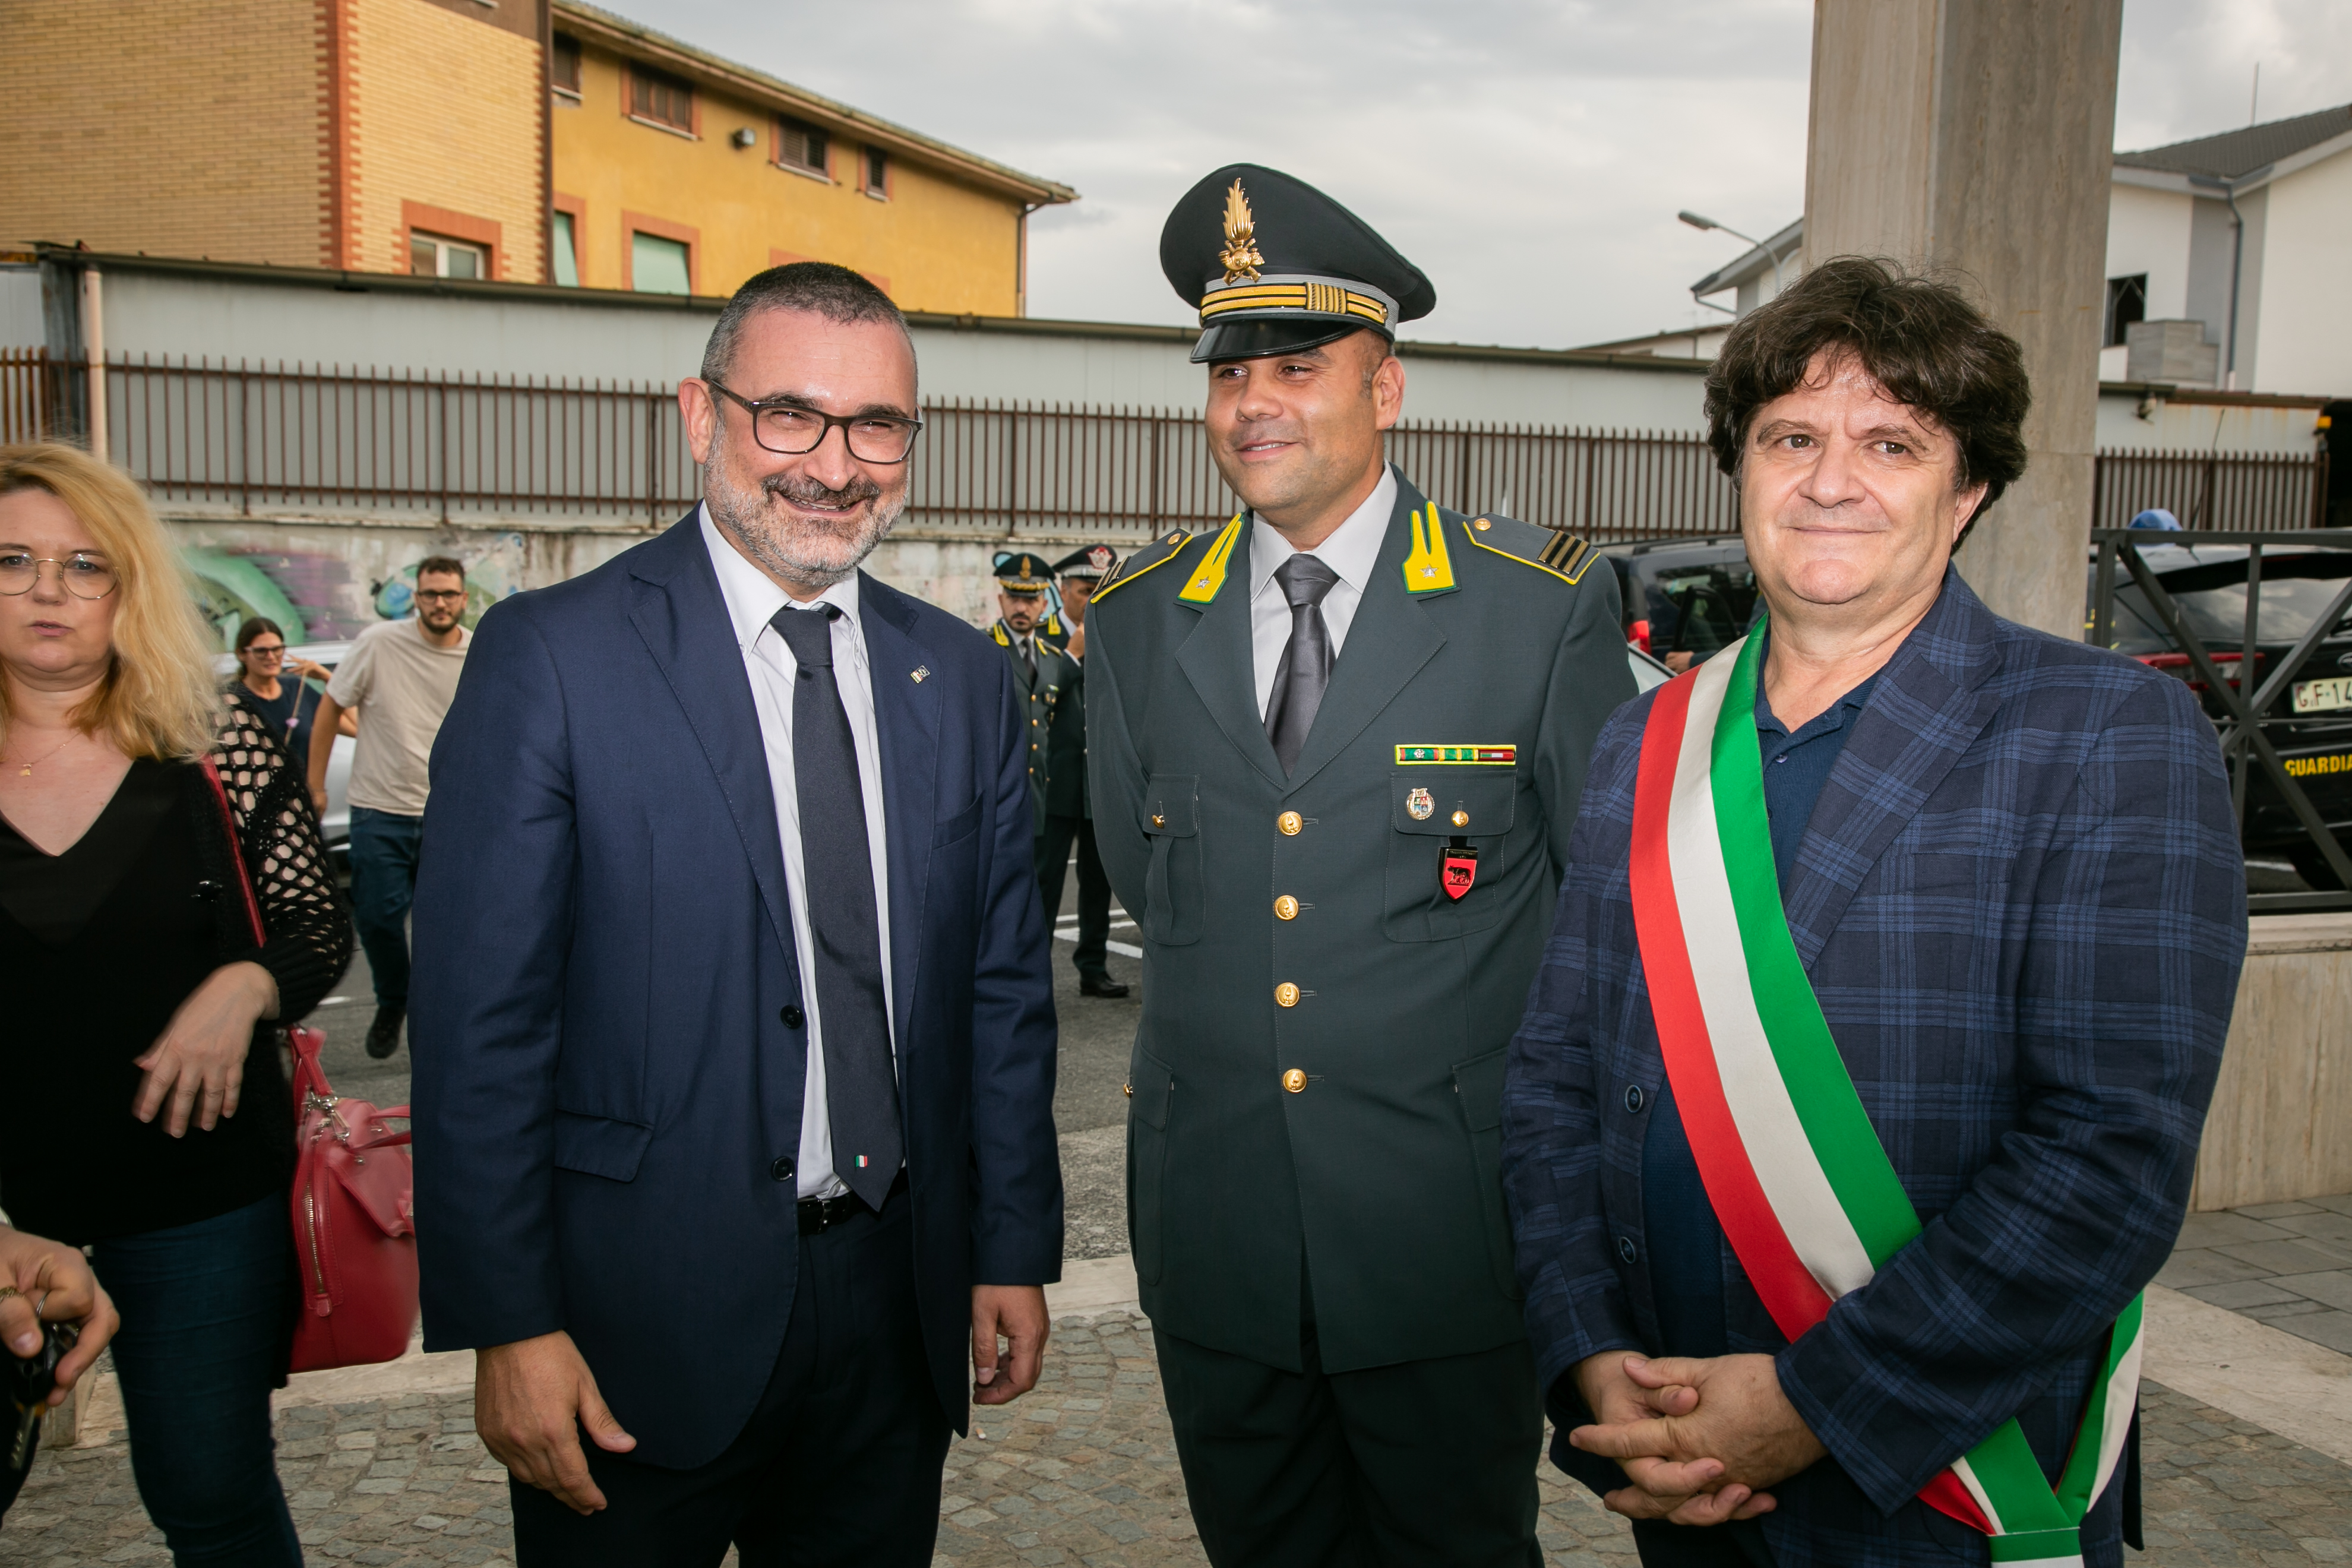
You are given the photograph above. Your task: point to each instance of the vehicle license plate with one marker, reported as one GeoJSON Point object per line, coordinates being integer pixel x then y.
{"type": "Point", "coordinates": [2321, 696]}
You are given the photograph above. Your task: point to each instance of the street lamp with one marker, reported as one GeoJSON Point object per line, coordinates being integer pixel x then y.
{"type": "Point", "coordinates": [1698, 222]}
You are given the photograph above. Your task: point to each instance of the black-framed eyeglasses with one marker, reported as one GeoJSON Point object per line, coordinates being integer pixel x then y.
{"type": "Point", "coordinates": [265, 649]}
{"type": "Point", "coordinates": [85, 577]}
{"type": "Point", "coordinates": [793, 429]}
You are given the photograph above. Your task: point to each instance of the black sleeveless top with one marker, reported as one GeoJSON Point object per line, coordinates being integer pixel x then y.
{"type": "Point", "coordinates": [99, 946]}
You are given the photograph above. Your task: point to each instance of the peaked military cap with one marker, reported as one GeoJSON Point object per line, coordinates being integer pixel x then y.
{"type": "Point", "coordinates": [1019, 572]}
{"type": "Point", "coordinates": [1092, 562]}
{"type": "Point", "coordinates": [1274, 265]}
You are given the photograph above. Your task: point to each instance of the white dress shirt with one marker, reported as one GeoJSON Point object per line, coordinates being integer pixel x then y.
{"type": "Point", "coordinates": [1351, 551]}
{"type": "Point", "coordinates": [753, 600]}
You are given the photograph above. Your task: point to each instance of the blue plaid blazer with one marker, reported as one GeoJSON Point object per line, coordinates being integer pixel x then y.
{"type": "Point", "coordinates": [2023, 905]}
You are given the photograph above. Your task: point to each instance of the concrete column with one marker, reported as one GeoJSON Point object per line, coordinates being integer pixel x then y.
{"type": "Point", "coordinates": [1977, 136]}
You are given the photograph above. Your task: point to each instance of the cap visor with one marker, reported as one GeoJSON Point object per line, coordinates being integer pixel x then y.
{"type": "Point", "coordinates": [1258, 339]}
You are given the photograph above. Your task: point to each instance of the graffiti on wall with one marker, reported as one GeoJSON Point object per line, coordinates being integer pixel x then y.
{"type": "Point", "coordinates": [316, 596]}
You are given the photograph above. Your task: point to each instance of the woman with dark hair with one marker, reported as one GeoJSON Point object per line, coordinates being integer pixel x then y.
{"type": "Point", "coordinates": [276, 687]}
{"type": "Point", "coordinates": [148, 824]}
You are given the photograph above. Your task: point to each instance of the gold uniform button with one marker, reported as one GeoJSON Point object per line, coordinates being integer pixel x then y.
{"type": "Point", "coordinates": [1482, 525]}
{"type": "Point", "coordinates": [1158, 820]}
{"type": "Point", "coordinates": [1461, 819]}
{"type": "Point", "coordinates": [1127, 1089]}
{"type": "Point", "coordinates": [1285, 907]}
{"type": "Point", "coordinates": [1291, 823]}
{"type": "Point", "coordinates": [1294, 1081]}
{"type": "Point", "coordinates": [1286, 995]}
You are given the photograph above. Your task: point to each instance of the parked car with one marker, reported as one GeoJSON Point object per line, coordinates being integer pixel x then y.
{"type": "Point", "coordinates": [1684, 599]}
{"type": "Point", "coordinates": [2313, 724]}
{"type": "Point", "coordinates": [335, 827]}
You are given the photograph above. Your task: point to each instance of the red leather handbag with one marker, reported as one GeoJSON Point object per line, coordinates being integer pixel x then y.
{"type": "Point", "coordinates": [354, 1222]}
{"type": "Point", "coordinates": [354, 1197]}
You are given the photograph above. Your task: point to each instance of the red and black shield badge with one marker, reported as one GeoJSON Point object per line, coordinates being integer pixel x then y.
{"type": "Point", "coordinates": [1457, 869]}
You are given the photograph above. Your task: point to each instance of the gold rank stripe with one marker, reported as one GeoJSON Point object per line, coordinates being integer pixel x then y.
{"type": "Point", "coordinates": [1466, 756]}
{"type": "Point", "coordinates": [1209, 575]}
{"type": "Point", "coordinates": [1566, 557]}
{"type": "Point", "coordinates": [1325, 299]}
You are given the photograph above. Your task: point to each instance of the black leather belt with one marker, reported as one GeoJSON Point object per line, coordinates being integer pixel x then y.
{"type": "Point", "coordinates": [821, 1215]}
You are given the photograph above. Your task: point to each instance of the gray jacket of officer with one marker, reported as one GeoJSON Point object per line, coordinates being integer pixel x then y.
{"type": "Point", "coordinates": [1316, 1082]}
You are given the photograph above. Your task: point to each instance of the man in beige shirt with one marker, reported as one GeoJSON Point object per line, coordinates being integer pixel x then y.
{"type": "Point", "coordinates": [400, 676]}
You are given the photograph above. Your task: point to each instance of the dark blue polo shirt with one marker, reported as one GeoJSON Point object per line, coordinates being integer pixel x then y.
{"type": "Point", "coordinates": [1685, 1242]}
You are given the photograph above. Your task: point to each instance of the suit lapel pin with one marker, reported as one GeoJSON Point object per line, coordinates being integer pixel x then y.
{"type": "Point", "coordinates": [919, 671]}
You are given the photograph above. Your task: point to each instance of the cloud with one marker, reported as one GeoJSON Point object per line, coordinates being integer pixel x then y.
{"type": "Point", "coordinates": [1529, 157]}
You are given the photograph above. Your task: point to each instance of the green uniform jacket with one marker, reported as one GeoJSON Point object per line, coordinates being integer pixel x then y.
{"type": "Point", "coordinates": [1381, 1171]}
{"type": "Point", "coordinates": [1055, 706]}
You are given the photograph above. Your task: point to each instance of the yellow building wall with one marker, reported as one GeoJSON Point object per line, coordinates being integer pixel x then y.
{"type": "Point", "coordinates": [936, 244]}
{"type": "Point", "coordinates": [444, 112]}
{"type": "Point", "coordinates": [191, 129]}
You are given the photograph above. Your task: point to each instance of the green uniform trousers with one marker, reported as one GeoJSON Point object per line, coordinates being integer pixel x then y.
{"type": "Point", "coordinates": [1425, 1464]}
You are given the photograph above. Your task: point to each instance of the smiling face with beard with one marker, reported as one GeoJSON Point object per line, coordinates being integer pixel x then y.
{"type": "Point", "coordinates": [806, 520]}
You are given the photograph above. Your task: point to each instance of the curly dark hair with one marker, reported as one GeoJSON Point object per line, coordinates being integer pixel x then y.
{"type": "Point", "coordinates": [1916, 334]}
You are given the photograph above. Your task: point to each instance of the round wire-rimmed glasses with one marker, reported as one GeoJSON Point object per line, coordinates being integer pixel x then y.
{"type": "Point", "coordinates": [85, 577]}
{"type": "Point", "coordinates": [794, 429]}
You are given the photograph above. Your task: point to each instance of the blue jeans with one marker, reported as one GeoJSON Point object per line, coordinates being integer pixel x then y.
{"type": "Point", "coordinates": [384, 883]}
{"type": "Point", "coordinates": [207, 1312]}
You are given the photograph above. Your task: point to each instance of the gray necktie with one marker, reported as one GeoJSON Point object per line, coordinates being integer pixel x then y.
{"type": "Point", "coordinates": [1306, 667]}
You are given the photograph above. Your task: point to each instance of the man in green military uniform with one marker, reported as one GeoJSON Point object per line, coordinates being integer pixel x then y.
{"type": "Point", "coordinates": [1069, 821]}
{"type": "Point", "coordinates": [1336, 747]}
{"type": "Point", "coordinates": [1044, 678]}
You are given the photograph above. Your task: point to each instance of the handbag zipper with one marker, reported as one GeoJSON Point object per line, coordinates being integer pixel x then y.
{"type": "Point", "coordinates": [311, 1213]}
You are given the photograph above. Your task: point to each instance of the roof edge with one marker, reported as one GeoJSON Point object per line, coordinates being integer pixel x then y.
{"type": "Point", "coordinates": [614, 31]}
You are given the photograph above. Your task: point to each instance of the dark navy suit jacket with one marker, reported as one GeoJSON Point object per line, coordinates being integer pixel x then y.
{"type": "Point", "coordinates": [604, 960]}
{"type": "Point", "coordinates": [2022, 906]}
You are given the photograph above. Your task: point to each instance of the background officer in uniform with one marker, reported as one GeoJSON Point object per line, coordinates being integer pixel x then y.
{"type": "Point", "coordinates": [1337, 747]}
{"type": "Point", "coordinates": [1042, 673]}
{"type": "Point", "coordinates": [1046, 680]}
{"type": "Point", "coordinates": [1068, 818]}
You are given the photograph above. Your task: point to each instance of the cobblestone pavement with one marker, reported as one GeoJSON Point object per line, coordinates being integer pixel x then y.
{"type": "Point", "coordinates": [1081, 1472]}
{"type": "Point", "coordinates": [2287, 1265]}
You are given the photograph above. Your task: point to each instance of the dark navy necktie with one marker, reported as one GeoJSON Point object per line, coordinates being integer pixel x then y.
{"type": "Point", "coordinates": [861, 1084]}
{"type": "Point", "coordinates": [1306, 668]}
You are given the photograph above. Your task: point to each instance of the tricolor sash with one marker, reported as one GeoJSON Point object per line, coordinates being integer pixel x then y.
{"type": "Point", "coordinates": [1792, 1167]}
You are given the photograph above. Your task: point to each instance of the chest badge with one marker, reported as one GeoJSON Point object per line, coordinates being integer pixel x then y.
{"type": "Point", "coordinates": [1419, 805]}
{"type": "Point", "coordinates": [1457, 869]}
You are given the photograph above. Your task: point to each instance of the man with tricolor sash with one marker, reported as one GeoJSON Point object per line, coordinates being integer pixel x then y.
{"type": "Point", "coordinates": [1858, 1095]}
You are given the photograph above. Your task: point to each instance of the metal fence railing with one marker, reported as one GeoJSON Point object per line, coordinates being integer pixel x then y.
{"type": "Point", "coordinates": [2230, 492]}
{"type": "Point", "coordinates": [276, 438]}
{"type": "Point", "coordinates": [32, 396]}
{"type": "Point", "coordinates": [2250, 683]}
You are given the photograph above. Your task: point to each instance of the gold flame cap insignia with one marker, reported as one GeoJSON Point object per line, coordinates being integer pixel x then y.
{"type": "Point", "coordinates": [1241, 258]}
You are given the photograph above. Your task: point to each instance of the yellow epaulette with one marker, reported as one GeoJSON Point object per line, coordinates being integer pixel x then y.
{"type": "Point", "coordinates": [997, 631]}
{"type": "Point", "coordinates": [1567, 556]}
{"type": "Point", "coordinates": [1157, 553]}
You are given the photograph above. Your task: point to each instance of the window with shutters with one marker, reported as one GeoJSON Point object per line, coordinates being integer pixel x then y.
{"type": "Point", "coordinates": [563, 66]}
{"type": "Point", "coordinates": [878, 172]}
{"type": "Point", "coordinates": [663, 100]}
{"type": "Point", "coordinates": [800, 146]}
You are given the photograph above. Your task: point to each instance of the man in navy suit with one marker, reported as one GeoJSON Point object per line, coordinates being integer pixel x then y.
{"type": "Point", "coordinates": [2008, 874]}
{"type": "Point", "coordinates": [733, 1021]}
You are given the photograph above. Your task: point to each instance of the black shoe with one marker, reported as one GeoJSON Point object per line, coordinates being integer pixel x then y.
{"type": "Point", "coordinates": [1102, 986]}
{"type": "Point", "coordinates": [384, 1035]}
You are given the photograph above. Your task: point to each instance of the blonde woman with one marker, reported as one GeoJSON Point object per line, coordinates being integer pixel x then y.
{"type": "Point", "coordinates": [143, 1107]}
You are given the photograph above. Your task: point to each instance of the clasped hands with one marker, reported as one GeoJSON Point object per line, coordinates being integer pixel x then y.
{"type": "Point", "coordinates": [1700, 1439]}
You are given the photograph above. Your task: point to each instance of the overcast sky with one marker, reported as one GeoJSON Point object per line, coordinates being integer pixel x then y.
{"type": "Point", "coordinates": [1529, 158]}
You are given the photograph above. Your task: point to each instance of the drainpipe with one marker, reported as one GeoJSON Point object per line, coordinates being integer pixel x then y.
{"type": "Point", "coordinates": [2229, 189]}
{"type": "Point", "coordinates": [93, 342]}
